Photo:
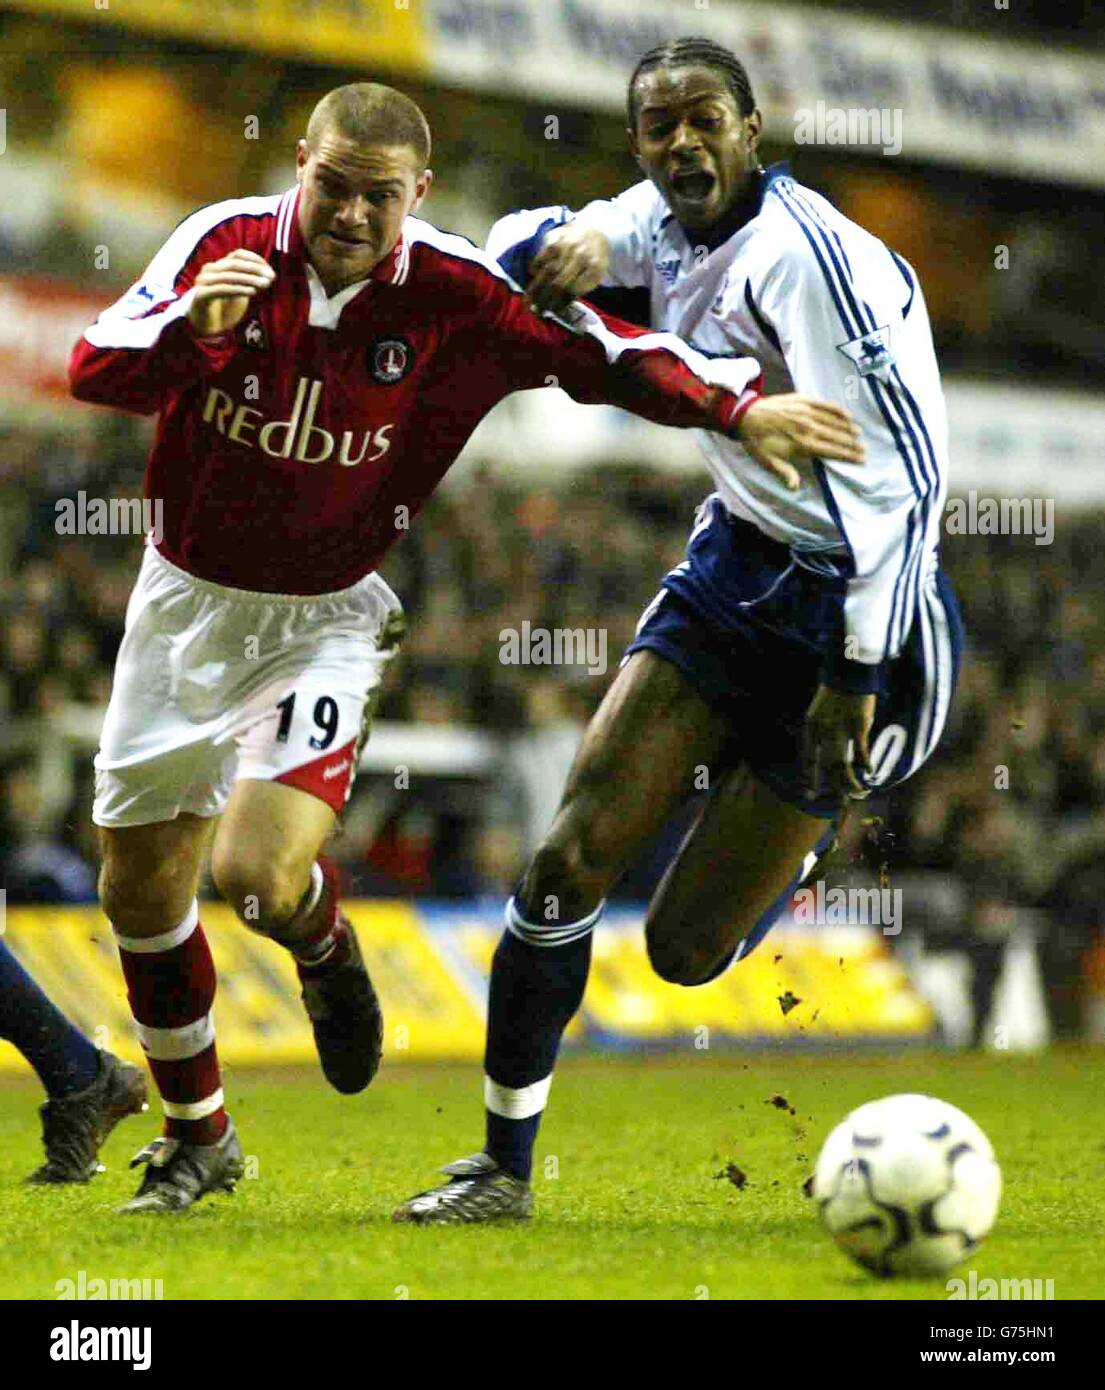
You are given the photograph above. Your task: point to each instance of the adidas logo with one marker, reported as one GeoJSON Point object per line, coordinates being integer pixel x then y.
{"type": "Point", "coordinates": [331, 772]}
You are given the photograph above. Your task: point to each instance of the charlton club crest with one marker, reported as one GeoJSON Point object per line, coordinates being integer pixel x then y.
{"type": "Point", "coordinates": [391, 360]}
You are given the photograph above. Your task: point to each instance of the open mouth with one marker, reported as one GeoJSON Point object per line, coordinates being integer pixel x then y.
{"type": "Point", "coordinates": [349, 241]}
{"type": "Point", "coordinates": [693, 185]}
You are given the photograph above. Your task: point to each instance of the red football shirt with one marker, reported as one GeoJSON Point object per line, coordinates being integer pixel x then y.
{"type": "Point", "coordinates": [291, 452]}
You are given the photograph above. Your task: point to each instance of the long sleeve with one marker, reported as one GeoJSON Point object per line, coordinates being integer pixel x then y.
{"type": "Point", "coordinates": [142, 346]}
{"type": "Point", "coordinates": [599, 359]}
{"type": "Point", "coordinates": [842, 331]}
{"type": "Point", "coordinates": [625, 221]}
{"type": "Point", "coordinates": [130, 361]}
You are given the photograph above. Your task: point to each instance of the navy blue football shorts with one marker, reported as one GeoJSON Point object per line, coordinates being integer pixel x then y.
{"type": "Point", "coordinates": [747, 624]}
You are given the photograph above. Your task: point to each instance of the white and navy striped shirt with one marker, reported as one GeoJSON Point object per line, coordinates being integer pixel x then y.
{"type": "Point", "coordinates": [831, 312]}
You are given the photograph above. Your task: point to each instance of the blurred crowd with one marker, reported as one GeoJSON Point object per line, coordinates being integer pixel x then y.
{"type": "Point", "coordinates": [1006, 825]}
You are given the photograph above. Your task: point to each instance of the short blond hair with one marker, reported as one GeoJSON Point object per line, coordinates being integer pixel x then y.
{"type": "Point", "coordinates": [369, 113]}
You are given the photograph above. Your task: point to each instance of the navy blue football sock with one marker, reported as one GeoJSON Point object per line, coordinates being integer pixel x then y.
{"type": "Point", "coordinates": [61, 1055]}
{"type": "Point", "coordinates": [537, 981]}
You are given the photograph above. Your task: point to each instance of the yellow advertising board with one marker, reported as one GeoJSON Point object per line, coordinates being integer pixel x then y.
{"type": "Point", "coordinates": [430, 965]}
{"type": "Point", "coordinates": [385, 34]}
{"type": "Point", "coordinates": [258, 1014]}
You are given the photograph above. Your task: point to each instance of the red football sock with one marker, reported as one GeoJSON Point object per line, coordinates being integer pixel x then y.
{"type": "Point", "coordinates": [171, 985]}
{"type": "Point", "coordinates": [317, 936]}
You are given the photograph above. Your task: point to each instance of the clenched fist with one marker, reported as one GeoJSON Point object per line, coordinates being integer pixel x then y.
{"type": "Point", "coordinates": [572, 261]}
{"type": "Point", "coordinates": [223, 290]}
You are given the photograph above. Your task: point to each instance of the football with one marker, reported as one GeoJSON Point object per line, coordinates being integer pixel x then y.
{"type": "Point", "coordinates": [907, 1185]}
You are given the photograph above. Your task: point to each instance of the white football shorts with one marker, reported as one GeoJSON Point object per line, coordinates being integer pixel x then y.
{"type": "Point", "coordinates": [214, 684]}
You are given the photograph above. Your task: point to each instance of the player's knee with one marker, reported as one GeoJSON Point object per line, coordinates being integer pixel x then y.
{"type": "Point", "coordinates": [264, 894]}
{"type": "Point", "coordinates": [565, 875]}
{"type": "Point", "coordinates": [677, 962]}
{"type": "Point", "coordinates": [139, 895]}
{"type": "Point", "coordinates": [550, 871]}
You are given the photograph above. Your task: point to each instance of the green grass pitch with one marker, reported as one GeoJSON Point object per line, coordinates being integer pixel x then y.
{"type": "Point", "coordinates": [628, 1204]}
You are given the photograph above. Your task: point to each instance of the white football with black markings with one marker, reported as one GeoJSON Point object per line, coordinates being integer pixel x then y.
{"type": "Point", "coordinates": [907, 1185]}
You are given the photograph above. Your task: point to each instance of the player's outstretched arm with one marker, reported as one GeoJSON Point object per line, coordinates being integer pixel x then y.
{"type": "Point", "coordinates": [601, 359]}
